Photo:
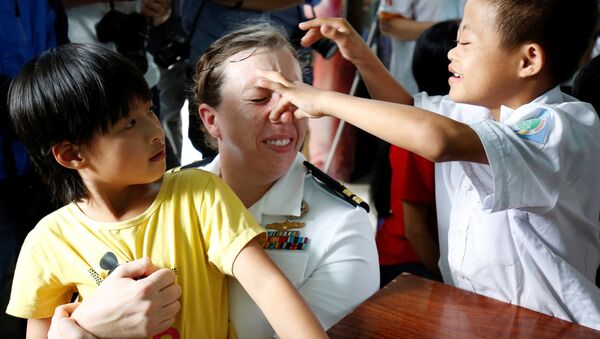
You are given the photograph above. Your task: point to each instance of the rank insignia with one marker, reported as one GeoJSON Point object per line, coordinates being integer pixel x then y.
{"type": "Point", "coordinates": [285, 240]}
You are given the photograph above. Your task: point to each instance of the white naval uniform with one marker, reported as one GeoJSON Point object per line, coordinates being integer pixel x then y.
{"type": "Point", "coordinates": [524, 229]}
{"type": "Point", "coordinates": [338, 270]}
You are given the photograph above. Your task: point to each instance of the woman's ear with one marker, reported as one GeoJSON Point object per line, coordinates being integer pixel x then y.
{"type": "Point", "coordinates": [67, 154]}
{"type": "Point", "coordinates": [210, 119]}
{"type": "Point", "coordinates": [533, 60]}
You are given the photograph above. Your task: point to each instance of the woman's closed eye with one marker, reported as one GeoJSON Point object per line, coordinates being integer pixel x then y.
{"type": "Point", "coordinates": [461, 43]}
{"type": "Point", "coordinates": [260, 100]}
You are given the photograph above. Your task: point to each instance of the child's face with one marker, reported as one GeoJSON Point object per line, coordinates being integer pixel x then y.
{"type": "Point", "coordinates": [483, 71]}
{"type": "Point", "coordinates": [131, 152]}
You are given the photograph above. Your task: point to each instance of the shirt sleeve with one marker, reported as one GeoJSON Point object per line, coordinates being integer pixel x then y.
{"type": "Point", "coordinates": [526, 156]}
{"type": "Point", "coordinates": [348, 273]}
{"type": "Point", "coordinates": [36, 290]}
{"type": "Point", "coordinates": [227, 226]}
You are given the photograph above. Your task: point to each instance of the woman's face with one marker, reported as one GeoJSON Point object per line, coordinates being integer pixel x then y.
{"type": "Point", "coordinates": [244, 131]}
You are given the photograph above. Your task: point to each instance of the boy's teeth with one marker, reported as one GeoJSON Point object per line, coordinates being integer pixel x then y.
{"type": "Point", "coordinates": [457, 75]}
{"type": "Point", "coordinates": [280, 142]}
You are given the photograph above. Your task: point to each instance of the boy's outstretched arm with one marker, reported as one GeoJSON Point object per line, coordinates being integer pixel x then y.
{"type": "Point", "coordinates": [428, 134]}
{"type": "Point", "coordinates": [275, 295]}
{"type": "Point", "coordinates": [380, 83]}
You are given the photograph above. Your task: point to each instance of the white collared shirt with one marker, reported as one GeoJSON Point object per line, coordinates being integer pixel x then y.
{"type": "Point", "coordinates": [338, 270]}
{"type": "Point", "coordinates": [524, 229]}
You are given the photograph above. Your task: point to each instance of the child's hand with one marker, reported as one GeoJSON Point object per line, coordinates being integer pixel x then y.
{"type": "Point", "coordinates": [297, 98]}
{"type": "Point", "coordinates": [350, 44]}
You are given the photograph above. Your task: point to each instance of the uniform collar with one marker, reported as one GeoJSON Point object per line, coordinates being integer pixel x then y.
{"type": "Point", "coordinates": [553, 96]}
{"type": "Point", "coordinates": [283, 198]}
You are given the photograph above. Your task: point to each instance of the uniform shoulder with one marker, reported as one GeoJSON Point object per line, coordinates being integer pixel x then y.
{"type": "Point", "coordinates": [335, 187]}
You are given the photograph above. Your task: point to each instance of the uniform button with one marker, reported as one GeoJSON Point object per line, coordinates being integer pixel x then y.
{"type": "Point", "coordinates": [460, 275]}
{"type": "Point", "coordinates": [460, 233]}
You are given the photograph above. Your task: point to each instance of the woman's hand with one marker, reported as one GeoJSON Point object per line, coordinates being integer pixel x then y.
{"type": "Point", "coordinates": [65, 327]}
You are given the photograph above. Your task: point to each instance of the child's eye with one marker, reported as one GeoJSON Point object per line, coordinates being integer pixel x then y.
{"type": "Point", "coordinates": [130, 124]}
{"type": "Point", "coordinates": [462, 43]}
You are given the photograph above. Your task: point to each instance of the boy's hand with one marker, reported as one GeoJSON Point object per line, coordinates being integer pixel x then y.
{"type": "Point", "coordinates": [125, 307]}
{"type": "Point", "coordinates": [350, 43]}
{"type": "Point", "coordinates": [297, 98]}
{"type": "Point", "coordinates": [65, 327]}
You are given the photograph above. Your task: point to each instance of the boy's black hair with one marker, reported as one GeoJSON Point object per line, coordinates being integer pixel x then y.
{"type": "Point", "coordinates": [587, 83]}
{"type": "Point", "coordinates": [430, 58]}
{"type": "Point", "coordinates": [564, 29]}
{"type": "Point", "coordinates": [71, 93]}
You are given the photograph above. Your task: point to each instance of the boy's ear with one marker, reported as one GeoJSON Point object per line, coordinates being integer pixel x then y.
{"type": "Point", "coordinates": [533, 60]}
{"type": "Point", "coordinates": [209, 118]}
{"type": "Point", "coordinates": [67, 154]}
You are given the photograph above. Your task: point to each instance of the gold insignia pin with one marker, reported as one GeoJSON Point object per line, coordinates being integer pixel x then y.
{"type": "Point", "coordinates": [284, 226]}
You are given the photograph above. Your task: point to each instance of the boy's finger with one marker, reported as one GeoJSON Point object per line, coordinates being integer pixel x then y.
{"type": "Point", "coordinates": [312, 36]}
{"type": "Point", "coordinates": [275, 77]}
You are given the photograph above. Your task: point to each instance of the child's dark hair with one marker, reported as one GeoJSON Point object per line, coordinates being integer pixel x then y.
{"type": "Point", "coordinates": [430, 58]}
{"type": "Point", "coordinates": [587, 82]}
{"type": "Point", "coordinates": [71, 93]}
{"type": "Point", "coordinates": [563, 28]}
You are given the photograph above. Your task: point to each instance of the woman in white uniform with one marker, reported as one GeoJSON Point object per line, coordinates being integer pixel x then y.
{"type": "Point", "coordinates": [337, 266]}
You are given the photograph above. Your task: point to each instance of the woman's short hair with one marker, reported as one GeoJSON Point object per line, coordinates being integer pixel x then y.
{"type": "Point", "coordinates": [209, 75]}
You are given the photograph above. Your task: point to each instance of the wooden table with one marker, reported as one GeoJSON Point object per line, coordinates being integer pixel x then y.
{"type": "Point", "coordinates": [413, 307]}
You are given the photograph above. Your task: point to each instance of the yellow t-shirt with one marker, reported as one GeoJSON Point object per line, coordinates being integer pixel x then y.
{"type": "Point", "coordinates": [196, 226]}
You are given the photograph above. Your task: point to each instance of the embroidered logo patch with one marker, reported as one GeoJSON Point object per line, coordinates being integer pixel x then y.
{"type": "Point", "coordinates": [536, 129]}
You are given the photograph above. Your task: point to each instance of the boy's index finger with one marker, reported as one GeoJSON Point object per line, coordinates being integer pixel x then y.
{"type": "Point", "coordinates": [272, 80]}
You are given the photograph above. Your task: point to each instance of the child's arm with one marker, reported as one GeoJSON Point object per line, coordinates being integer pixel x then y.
{"type": "Point", "coordinates": [38, 328]}
{"type": "Point", "coordinates": [428, 134]}
{"type": "Point", "coordinates": [380, 83]}
{"type": "Point", "coordinates": [284, 308]}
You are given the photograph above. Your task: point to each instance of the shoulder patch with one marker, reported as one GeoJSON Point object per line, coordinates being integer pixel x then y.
{"type": "Point", "coordinates": [335, 187]}
{"type": "Point", "coordinates": [535, 129]}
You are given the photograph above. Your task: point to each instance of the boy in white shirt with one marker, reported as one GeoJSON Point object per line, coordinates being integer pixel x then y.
{"type": "Point", "coordinates": [517, 188]}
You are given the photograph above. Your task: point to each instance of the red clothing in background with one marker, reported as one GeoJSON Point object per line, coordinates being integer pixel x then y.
{"type": "Point", "coordinates": [412, 181]}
